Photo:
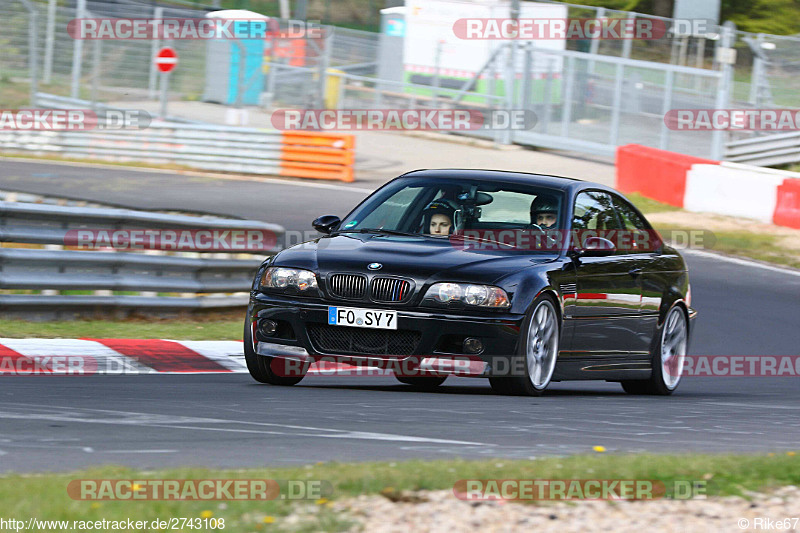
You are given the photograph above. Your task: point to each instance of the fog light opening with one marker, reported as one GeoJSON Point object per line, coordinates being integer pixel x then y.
{"type": "Point", "coordinates": [472, 345]}
{"type": "Point", "coordinates": [268, 327]}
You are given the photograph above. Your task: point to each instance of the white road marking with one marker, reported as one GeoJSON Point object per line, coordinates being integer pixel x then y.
{"type": "Point", "coordinates": [139, 451]}
{"type": "Point", "coordinates": [178, 422]}
{"type": "Point", "coordinates": [739, 261]}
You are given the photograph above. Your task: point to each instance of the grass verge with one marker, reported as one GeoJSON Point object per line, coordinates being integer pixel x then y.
{"type": "Point", "coordinates": [217, 327]}
{"type": "Point", "coordinates": [45, 496]}
{"type": "Point", "coordinates": [746, 244]}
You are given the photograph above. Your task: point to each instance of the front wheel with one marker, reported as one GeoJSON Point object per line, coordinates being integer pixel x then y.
{"type": "Point", "coordinates": [538, 349]}
{"type": "Point", "coordinates": [668, 357]}
{"type": "Point", "coordinates": [260, 367]}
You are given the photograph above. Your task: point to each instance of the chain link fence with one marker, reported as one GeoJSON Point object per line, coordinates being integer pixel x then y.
{"type": "Point", "coordinates": [592, 96]}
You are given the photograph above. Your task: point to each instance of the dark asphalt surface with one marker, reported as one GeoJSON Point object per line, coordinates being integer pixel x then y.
{"type": "Point", "coordinates": [61, 423]}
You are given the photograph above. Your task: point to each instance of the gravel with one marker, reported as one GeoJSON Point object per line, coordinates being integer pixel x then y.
{"type": "Point", "coordinates": [440, 511]}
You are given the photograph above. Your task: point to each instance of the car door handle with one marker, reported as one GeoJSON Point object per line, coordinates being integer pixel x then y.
{"type": "Point", "coordinates": [635, 272]}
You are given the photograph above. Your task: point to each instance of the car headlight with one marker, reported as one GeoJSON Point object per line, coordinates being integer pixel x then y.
{"type": "Point", "coordinates": [289, 278]}
{"type": "Point", "coordinates": [477, 295]}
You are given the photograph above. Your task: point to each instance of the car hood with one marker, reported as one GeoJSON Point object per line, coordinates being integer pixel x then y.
{"type": "Point", "coordinates": [421, 258]}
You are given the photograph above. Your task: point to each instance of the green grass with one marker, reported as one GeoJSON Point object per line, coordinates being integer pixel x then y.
{"type": "Point", "coordinates": [647, 205]}
{"type": "Point", "coordinates": [215, 327]}
{"type": "Point", "coordinates": [45, 496]}
{"type": "Point", "coordinates": [747, 244]}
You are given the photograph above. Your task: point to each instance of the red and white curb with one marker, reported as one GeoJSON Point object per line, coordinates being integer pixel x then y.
{"type": "Point", "coordinates": [119, 356]}
{"type": "Point", "coordinates": [130, 356]}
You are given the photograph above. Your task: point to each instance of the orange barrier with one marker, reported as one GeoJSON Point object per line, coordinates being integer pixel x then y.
{"type": "Point", "coordinates": [654, 173]}
{"type": "Point", "coordinates": [310, 154]}
{"type": "Point", "coordinates": [787, 208]}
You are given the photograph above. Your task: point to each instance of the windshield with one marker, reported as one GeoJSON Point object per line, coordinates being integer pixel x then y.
{"type": "Point", "coordinates": [443, 207]}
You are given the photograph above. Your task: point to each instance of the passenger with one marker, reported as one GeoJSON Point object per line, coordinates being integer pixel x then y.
{"type": "Point", "coordinates": [438, 218]}
{"type": "Point", "coordinates": [440, 225]}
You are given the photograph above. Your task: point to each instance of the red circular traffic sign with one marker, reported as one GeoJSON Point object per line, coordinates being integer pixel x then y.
{"type": "Point", "coordinates": [166, 59]}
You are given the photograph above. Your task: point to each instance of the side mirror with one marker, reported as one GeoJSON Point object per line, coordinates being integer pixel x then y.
{"type": "Point", "coordinates": [326, 224]}
{"type": "Point", "coordinates": [597, 247]}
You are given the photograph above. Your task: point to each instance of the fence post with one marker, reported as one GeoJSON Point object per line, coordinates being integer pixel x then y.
{"type": "Point", "coordinates": [77, 54]}
{"type": "Point", "coordinates": [158, 14]}
{"type": "Point", "coordinates": [616, 106]}
{"type": "Point", "coordinates": [95, 71]}
{"type": "Point", "coordinates": [595, 44]}
{"type": "Point", "coordinates": [33, 38]}
{"type": "Point", "coordinates": [50, 39]}
{"type": "Point", "coordinates": [723, 93]}
{"type": "Point", "coordinates": [663, 140]}
{"type": "Point", "coordinates": [324, 62]}
{"type": "Point", "coordinates": [566, 98]}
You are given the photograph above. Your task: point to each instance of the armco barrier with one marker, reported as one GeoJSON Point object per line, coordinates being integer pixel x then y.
{"type": "Point", "coordinates": [701, 185]}
{"type": "Point", "coordinates": [733, 190]}
{"type": "Point", "coordinates": [31, 278]}
{"type": "Point", "coordinates": [306, 154]}
{"type": "Point", "coordinates": [654, 173]}
{"type": "Point", "coordinates": [320, 155]}
{"type": "Point", "coordinates": [245, 150]}
{"type": "Point", "coordinates": [787, 208]}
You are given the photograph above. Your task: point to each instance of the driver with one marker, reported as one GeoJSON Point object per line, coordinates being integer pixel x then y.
{"type": "Point", "coordinates": [544, 211]}
{"type": "Point", "coordinates": [438, 217]}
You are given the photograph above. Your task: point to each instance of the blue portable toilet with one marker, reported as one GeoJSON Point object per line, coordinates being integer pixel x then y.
{"type": "Point", "coordinates": [224, 58]}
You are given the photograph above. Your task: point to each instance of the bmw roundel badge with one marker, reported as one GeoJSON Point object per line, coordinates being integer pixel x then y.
{"type": "Point", "coordinates": [374, 266]}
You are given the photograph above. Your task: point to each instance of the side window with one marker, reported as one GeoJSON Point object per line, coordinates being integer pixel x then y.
{"type": "Point", "coordinates": [629, 217]}
{"type": "Point", "coordinates": [594, 210]}
{"type": "Point", "coordinates": [638, 232]}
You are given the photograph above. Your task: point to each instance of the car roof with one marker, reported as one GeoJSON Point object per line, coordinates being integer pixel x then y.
{"type": "Point", "coordinates": [543, 180]}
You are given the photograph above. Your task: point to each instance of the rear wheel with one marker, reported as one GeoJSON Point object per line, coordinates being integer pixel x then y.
{"type": "Point", "coordinates": [536, 355]}
{"type": "Point", "coordinates": [667, 357]}
{"type": "Point", "coordinates": [260, 367]}
{"type": "Point", "coordinates": [422, 382]}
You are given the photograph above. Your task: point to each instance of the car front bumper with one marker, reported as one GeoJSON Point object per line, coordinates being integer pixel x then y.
{"type": "Point", "coordinates": [498, 332]}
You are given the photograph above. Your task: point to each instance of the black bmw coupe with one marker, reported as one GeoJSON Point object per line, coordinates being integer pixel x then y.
{"type": "Point", "coordinates": [522, 278]}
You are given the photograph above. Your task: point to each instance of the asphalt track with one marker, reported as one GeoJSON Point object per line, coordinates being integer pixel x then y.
{"type": "Point", "coordinates": [61, 423]}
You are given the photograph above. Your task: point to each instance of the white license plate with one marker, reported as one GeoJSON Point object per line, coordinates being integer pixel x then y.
{"type": "Point", "coordinates": [362, 318]}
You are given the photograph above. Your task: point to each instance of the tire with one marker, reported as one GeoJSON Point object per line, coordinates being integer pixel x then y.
{"type": "Point", "coordinates": [425, 383]}
{"type": "Point", "coordinates": [667, 357]}
{"type": "Point", "coordinates": [260, 366]}
{"type": "Point", "coordinates": [537, 352]}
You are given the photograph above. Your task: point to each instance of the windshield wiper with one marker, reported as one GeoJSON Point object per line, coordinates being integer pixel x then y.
{"type": "Point", "coordinates": [379, 230]}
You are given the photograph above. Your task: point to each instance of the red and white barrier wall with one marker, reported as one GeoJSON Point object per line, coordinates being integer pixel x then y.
{"type": "Point", "coordinates": [703, 185]}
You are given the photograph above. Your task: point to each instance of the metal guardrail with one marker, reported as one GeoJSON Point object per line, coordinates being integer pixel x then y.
{"type": "Point", "coordinates": [51, 270]}
{"type": "Point", "coordinates": [766, 150]}
{"type": "Point", "coordinates": [202, 146]}
{"type": "Point", "coordinates": [54, 101]}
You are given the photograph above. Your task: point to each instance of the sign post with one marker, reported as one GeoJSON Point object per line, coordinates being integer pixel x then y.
{"type": "Point", "coordinates": [166, 59]}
